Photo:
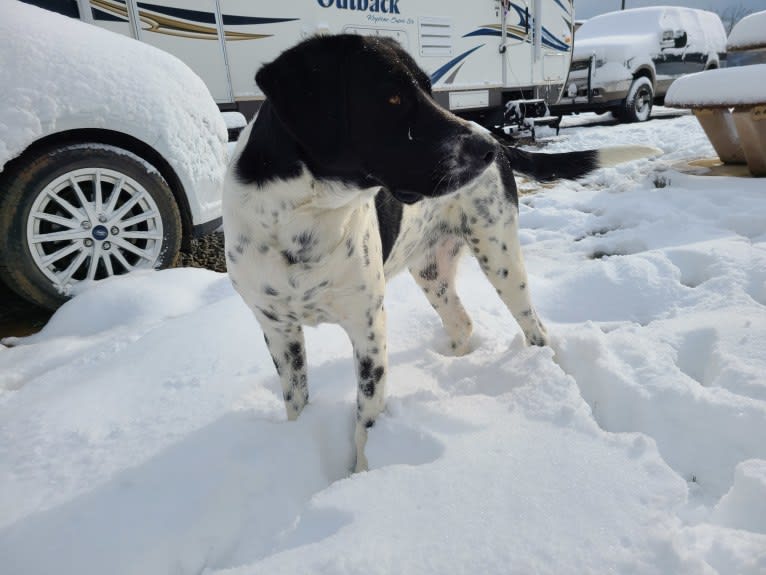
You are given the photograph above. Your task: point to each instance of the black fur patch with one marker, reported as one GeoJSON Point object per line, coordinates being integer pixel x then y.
{"type": "Point", "coordinates": [389, 212]}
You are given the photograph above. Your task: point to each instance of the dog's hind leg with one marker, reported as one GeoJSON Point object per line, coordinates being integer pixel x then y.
{"type": "Point", "coordinates": [435, 274]}
{"type": "Point", "coordinates": [288, 352]}
{"type": "Point", "coordinates": [495, 243]}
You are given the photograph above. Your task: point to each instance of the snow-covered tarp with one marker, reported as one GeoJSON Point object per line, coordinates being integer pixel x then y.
{"type": "Point", "coordinates": [143, 430]}
{"type": "Point", "coordinates": [750, 32]}
{"type": "Point", "coordinates": [57, 74]}
{"type": "Point", "coordinates": [740, 86]}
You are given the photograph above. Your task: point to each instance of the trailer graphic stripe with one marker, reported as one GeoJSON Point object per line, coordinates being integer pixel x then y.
{"type": "Point", "coordinates": [182, 22]}
{"type": "Point", "coordinates": [438, 74]}
{"type": "Point", "coordinates": [209, 17]}
{"type": "Point", "coordinates": [515, 32]}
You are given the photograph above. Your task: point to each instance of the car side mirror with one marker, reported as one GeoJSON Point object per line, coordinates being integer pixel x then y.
{"type": "Point", "coordinates": [674, 39]}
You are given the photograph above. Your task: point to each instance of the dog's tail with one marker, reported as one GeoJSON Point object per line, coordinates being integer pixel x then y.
{"type": "Point", "coordinates": [572, 165]}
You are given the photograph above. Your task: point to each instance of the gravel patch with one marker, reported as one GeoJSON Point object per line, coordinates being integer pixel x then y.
{"type": "Point", "coordinates": [206, 252]}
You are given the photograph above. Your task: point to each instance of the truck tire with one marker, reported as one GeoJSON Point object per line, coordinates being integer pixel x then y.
{"type": "Point", "coordinates": [80, 212]}
{"type": "Point", "coordinates": [637, 106]}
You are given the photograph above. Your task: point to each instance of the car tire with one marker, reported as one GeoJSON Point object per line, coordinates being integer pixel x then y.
{"type": "Point", "coordinates": [637, 106]}
{"type": "Point", "coordinates": [79, 212]}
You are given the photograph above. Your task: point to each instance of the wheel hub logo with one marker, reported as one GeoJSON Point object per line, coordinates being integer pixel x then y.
{"type": "Point", "coordinates": [100, 233]}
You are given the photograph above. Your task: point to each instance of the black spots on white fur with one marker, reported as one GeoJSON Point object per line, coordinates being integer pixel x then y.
{"type": "Point", "coordinates": [305, 240]}
{"type": "Point", "coordinates": [465, 224]}
{"type": "Point", "coordinates": [349, 247]}
{"type": "Point", "coordinates": [522, 286]}
{"type": "Point", "coordinates": [242, 243]}
{"type": "Point", "coordinates": [240, 246]}
{"type": "Point", "coordinates": [303, 246]}
{"type": "Point", "coordinates": [289, 257]}
{"type": "Point", "coordinates": [269, 314]}
{"type": "Point", "coordinates": [485, 209]}
{"type": "Point", "coordinates": [366, 249]}
{"type": "Point", "coordinates": [430, 272]}
{"type": "Point", "coordinates": [294, 355]}
{"type": "Point", "coordinates": [371, 313]}
{"type": "Point", "coordinates": [370, 376]}
{"type": "Point", "coordinates": [312, 292]}
{"type": "Point", "coordinates": [503, 273]}
{"type": "Point", "coordinates": [535, 340]}
{"type": "Point", "coordinates": [270, 291]}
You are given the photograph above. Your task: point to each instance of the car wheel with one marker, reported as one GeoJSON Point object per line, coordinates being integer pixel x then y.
{"type": "Point", "coordinates": [638, 104]}
{"type": "Point", "coordinates": [82, 212]}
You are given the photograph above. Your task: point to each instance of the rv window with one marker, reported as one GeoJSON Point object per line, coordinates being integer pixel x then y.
{"type": "Point", "coordinates": [65, 7]}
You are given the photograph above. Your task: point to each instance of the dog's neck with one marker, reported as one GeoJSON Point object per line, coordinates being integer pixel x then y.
{"type": "Point", "coordinates": [273, 154]}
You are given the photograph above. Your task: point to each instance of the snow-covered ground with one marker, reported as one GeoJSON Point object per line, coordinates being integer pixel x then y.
{"type": "Point", "coordinates": [143, 430]}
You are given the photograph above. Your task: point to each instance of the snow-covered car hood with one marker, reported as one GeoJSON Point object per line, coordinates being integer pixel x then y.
{"type": "Point", "coordinates": [615, 48]}
{"type": "Point", "coordinates": [57, 74]}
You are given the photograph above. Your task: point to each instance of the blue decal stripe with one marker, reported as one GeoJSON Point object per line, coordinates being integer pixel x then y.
{"type": "Point", "coordinates": [436, 76]}
{"type": "Point", "coordinates": [548, 39]}
{"type": "Point", "coordinates": [483, 32]}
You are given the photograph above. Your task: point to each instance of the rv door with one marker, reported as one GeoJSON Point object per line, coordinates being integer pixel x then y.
{"type": "Point", "coordinates": [517, 27]}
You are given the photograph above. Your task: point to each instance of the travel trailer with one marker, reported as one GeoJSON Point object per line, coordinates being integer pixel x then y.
{"type": "Point", "coordinates": [486, 58]}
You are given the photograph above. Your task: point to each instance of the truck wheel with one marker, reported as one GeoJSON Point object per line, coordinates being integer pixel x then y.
{"type": "Point", "coordinates": [638, 104]}
{"type": "Point", "coordinates": [83, 212]}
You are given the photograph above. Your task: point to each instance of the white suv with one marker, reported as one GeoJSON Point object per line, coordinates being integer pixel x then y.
{"type": "Point", "coordinates": [624, 61]}
{"type": "Point", "coordinates": [112, 154]}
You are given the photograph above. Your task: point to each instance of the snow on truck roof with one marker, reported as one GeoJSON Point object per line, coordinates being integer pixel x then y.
{"type": "Point", "coordinates": [654, 20]}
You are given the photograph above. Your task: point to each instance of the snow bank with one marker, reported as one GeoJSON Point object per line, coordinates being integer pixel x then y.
{"type": "Point", "coordinates": [743, 85]}
{"type": "Point", "coordinates": [143, 431]}
{"type": "Point", "coordinates": [58, 74]}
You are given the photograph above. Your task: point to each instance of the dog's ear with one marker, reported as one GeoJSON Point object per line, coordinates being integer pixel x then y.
{"type": "Point", "coordinates": [306, 85]}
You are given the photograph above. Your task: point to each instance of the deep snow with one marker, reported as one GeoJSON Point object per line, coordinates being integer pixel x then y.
{"type": "Point", "coordinates": [142, 431]}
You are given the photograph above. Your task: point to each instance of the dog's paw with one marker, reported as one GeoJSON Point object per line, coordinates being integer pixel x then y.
{"type": "Point", "coordinates": [537, 338]}
{"type": "Point", "coordinates": [461, 347]}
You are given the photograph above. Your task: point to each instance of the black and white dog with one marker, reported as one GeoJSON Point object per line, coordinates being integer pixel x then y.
{"type": "Point", "coordinates": [351, 173]}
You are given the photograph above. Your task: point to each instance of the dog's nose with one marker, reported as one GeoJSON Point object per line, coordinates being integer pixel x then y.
{"type": "Point", "coordinates": [480, 148]}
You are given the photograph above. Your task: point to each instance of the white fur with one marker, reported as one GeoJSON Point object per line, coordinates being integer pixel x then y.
{"type": "Point", "coordinates": [613, 155]}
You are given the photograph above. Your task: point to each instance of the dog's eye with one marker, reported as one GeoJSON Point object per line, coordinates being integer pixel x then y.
{"type": "Point", "coordinates": [395, 100]}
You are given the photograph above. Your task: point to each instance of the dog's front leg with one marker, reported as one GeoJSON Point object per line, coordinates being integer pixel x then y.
{"type": "Point", "coordinates": [288, 352]}
{"type": "Point", "coordinates": [368, 336]}
{"type": "Point", "coordinates": [495, 243]}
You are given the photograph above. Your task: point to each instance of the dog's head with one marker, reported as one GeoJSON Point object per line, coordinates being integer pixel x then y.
{"type": "Point", "coordinates": [360, 107]}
